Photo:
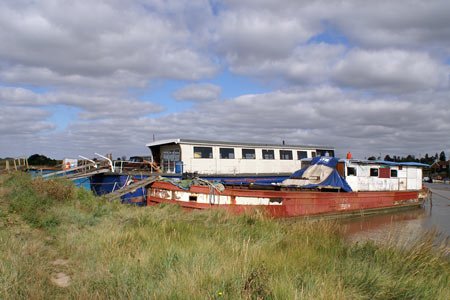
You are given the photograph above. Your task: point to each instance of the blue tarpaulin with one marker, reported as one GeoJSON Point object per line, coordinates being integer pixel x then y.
{"type": "Point", "coordinates": [334, 180]}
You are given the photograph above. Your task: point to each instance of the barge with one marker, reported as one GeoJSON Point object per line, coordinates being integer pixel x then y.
{"type": "Point", "coordinates": [280, 180]}
{"type": "Point", "coordinates": [324, 186]}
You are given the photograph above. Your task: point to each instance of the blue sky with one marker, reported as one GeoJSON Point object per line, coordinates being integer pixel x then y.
{"type": "Point", "coordinates": [105, 76]}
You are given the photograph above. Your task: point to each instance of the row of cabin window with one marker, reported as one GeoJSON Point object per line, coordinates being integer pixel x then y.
{"type": "Point", "coordinates": [228, 153]}
{"type": "Point", "coordinates": [373, 172]}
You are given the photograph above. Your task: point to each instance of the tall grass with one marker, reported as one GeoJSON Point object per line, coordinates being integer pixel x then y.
{"type": "Point", "coordinates": [122, 252]}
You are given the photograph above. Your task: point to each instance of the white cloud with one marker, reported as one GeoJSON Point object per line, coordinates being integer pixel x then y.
{"type": "Point", "coordinates": [320, 116]}
{"type": "Point", "coordinates": [390, 70]}
{"type": "Point", "coordinates": [94, 106]}
{"type": "Point", "coordinates": [304, 65]}
{"type": "Point", "coordinates": [21, 122]}
{"type": "Point", "coordinates": [198, 92]}
{"type": "Point", "coordinates": [382, 87]}
{"type": "Point", "coordinates": [98, 40]}
{"type": "Point", "coordinates": [419, 24]}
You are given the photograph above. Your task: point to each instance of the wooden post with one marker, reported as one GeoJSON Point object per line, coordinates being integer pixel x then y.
{"type": "Point", "coordinates": [26, 160]}
{"type": "Point", "coordinates": [15, 165]}
{"type": "Point", "coordinates": [7, 165]}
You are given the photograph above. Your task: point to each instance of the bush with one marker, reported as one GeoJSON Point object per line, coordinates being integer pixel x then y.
{"type": "Point", "coordinates": [32, 198]}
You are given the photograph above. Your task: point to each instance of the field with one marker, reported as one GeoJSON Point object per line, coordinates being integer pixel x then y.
{"type": "Point", "coordinates": [59, 242]}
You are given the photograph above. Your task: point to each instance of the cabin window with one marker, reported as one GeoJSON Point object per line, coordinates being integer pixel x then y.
{"type": "Point", "coordinates": [227, 153]}
{"type": "Point", "coordinates": [323, 152]}
{"type": "Point", "coordinates": [302, 154]}
{"type": "Point", "coordinates": [286, 154]}
{"type": "Point", "coordinates": [374, 172]}
{"type": "Point", "coordinates": [313, 154]}
{"type": "Point", "coordinates": [394, 173]}
{"type": "Point", "coordinates": [169, 158]}
{"type": "Point", "coordinates": [351, 171]}
{"type": "Point", "coordinates": [248, 154]}
{"type": "Point", "coordinates": [305, 163]}
{"type": "Point", "coordinates": [203, 152]}
{"type": "Point", "coordinates": [268, 154]}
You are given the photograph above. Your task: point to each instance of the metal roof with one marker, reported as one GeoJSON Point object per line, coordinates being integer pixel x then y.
{"type": "Point", "coordinates": [218, 143]}
{"type": "Point", "coordinates": [380, 162]}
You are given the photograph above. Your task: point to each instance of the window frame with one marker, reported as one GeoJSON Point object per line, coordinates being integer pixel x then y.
{"type": "Point", "coordinates": [394, 173]}
{"type": "Point", "coordinates": [268, 151]}
{"type": "Point", "coordinates": [289, 152]}
{"type": "Point", "coordinates": [210, 156]}
{"type": "Point", "coordinates": [228, 153]}
{"type": "Point", "coordinates": [244, 156]}
{"type": "Point", "coordinates": [355, 173]}
{"type": "Point", "coordinates": [377, 172]}
{"type": "Point", "coordinates": [302, 151]}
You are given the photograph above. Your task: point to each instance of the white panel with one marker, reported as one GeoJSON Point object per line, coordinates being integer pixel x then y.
{"type": "Point", "coordinates": [411, 179]}
{"type": "Point", "coordinates": [353, 182]}
{"type": "Point", "coordinates": [254, 201]}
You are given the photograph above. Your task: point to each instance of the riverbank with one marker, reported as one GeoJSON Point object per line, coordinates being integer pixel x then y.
{"type": "Point", "coordinates": [58, 242]}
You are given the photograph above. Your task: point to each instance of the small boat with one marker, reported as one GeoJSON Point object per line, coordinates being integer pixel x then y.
{"type": "Point", "coordinates": [324, 186]}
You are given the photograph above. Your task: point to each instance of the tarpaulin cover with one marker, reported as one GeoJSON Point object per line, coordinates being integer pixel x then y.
{"type": "Point", "coordinates": [320, 173]}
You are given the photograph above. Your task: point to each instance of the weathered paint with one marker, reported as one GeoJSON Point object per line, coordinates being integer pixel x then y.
{"type": "Point", "coordinates": [285, 203]}
{"type": "Point", "coordinates": [408, 178]}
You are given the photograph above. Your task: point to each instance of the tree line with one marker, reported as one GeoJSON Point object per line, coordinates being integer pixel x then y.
{"type": "Point", "coordinates": [427, 159]}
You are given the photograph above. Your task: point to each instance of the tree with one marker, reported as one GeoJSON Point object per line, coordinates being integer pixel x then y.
{"type": "Point", "coordinates": [442, 156]}
{"type": "Point", "coordinates": [41, 160]}
{"type": "Point", "coordinates": [388, 158]}
{"type": "Point", "coordinates": [372, 158]}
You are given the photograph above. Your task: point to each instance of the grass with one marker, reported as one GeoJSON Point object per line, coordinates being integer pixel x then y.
{"type": "Point", "coordinates": [114, 251]}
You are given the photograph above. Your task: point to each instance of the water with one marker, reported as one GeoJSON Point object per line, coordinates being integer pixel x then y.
{"type": "Point", "coordinates": [404, 224]}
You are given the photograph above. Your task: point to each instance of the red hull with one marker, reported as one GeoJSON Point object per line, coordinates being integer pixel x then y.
{"type": "Point", "coordinates": [293, 203]}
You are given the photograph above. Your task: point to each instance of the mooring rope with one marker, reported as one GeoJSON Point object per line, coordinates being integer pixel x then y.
{"type": "Point", "coordinates": [445, 197]}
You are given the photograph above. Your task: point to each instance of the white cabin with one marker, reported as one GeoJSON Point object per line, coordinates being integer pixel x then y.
{"type": "Point", "coordinates": [231, 158]}
{"type": "Point", "coordinates": [367, 175]}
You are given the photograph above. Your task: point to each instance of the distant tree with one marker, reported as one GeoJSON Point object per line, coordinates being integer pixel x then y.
{"type": "Point", "coordinates": [410, 158]}
{"type": "Point", "coordinates": [41, 160]}
{"type": "Point", "coordinates": [442, 156]}
{"type": "Point", "coordinates": [372, 158]}
{"type": "Point", "coordinates": [388, 158]}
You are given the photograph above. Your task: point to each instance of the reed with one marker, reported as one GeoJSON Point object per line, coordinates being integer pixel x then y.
{"type": "Point", "coordinates": [113, 251]}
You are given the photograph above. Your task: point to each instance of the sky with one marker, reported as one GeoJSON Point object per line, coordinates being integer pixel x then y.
{"type": "Point", "coordinates": [85, 76]}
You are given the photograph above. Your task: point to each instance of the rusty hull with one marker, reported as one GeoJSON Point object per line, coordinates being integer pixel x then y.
{"type": "Point", "coordinates": [294, 203]}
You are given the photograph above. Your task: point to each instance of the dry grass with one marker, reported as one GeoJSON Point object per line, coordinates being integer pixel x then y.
{"type": "Point", "coordinates": [112, 251]}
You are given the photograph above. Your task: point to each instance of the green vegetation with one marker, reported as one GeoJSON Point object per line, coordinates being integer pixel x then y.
{"type": "Point", "coordinates": [42, 160]}
{"type": "Point", "coordinates": [58, 242]}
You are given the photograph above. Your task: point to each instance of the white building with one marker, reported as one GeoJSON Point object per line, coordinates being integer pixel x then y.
{"type": "Point", "coordinates": [231, 158]}
{"type": "Point", "coordinates": [383, 176]}
{"type": "Point", "coordinates": [367, 175]}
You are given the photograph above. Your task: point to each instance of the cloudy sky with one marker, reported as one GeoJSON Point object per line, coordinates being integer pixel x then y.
{"type": "Point", "coordinates": [85, 76]}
